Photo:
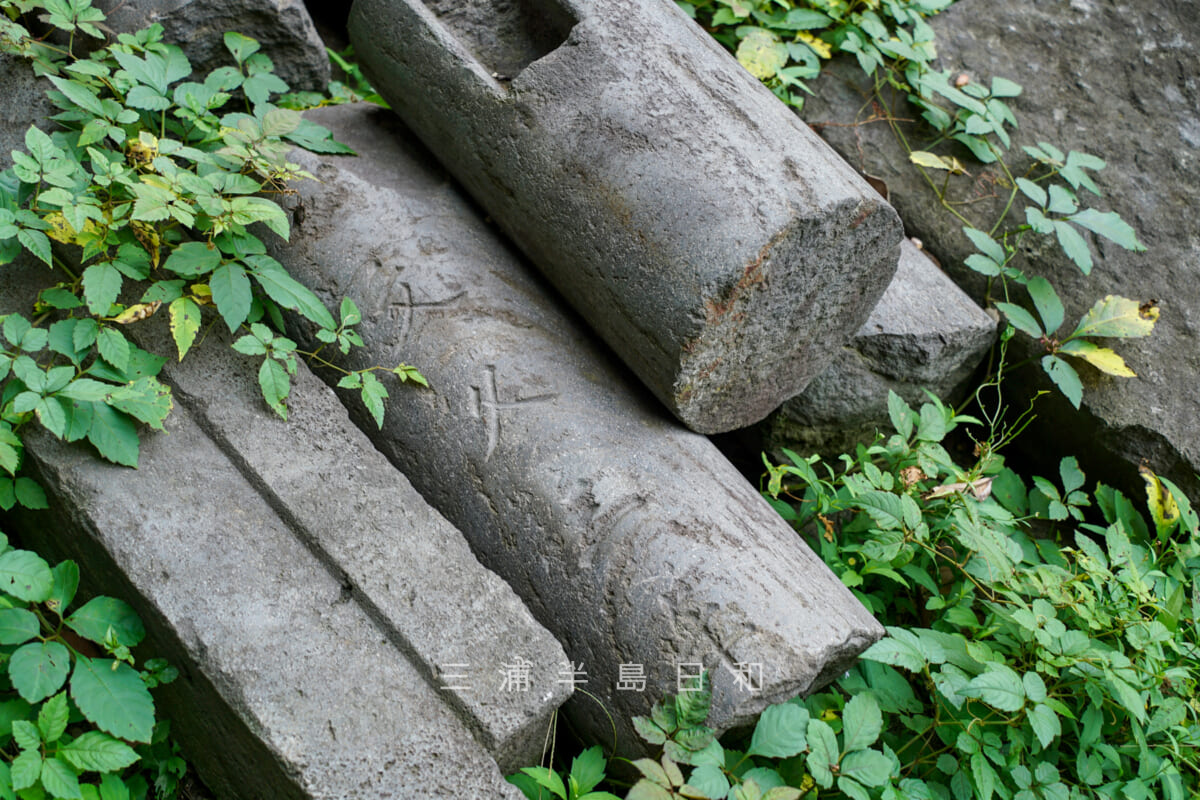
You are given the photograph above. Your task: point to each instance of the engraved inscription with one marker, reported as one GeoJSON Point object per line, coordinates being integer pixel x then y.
{"type": "Point", "coordinates": [400, 310]}
{"type": "Point", "coordinates": [486, 406]}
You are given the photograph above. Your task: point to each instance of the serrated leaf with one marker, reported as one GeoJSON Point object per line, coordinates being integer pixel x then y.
{"type": "Point", "coordinates": [37, 243]}
{"type": "Point", "coordinates": [52, 719]}
{"type": "Point", "coordinates": [94, 751]}
{"type": "Point", "coordinates": [984, 776]}
{"type": "Point", "coordinates": [862, 722]}
{"type": "Point", "coordinates": [373, 395]}
{"type": "Point", "coordinates": [781, 731]}
{"type": "Point", "coordinates": [288, 292]}
{"type": "Point", "coordinates": [231, 293]}
{"type": "Point", "coordinates": [193, 260]}
{"type": "Point", "coordinates": [280, 122]}
{"type": "Point", "coordinates": [18, 625]}
{"type": "Point", "coordinates": [66, 582]}
{"type": "Point", "coordinates": [823, 752]}
{"type": "Point", "coordinates": [29, 493]}
{"type": "Point", "coordinates": [707, 781]}
{"type": "Point", "coordinates": [923, 158]}
{"type": "Point", "coordinates": [1118, 317]}
{"type": "Point", "coordinates": [147, 400]}
{"type": "Point", "coordinates": [999, 687]}
{"type": "Point", "coordinates": [114, 435]}
{"type": "Point", "coordinates": [60, 780]}
{"type": "Point", "coordinates": [868, 767]}
{"type": "Point", "coordinates": [101, 286]}
{"type": "Point", "coordinates": [1101, 358]}
{"type": "Point", "coordinates": [1047, 303]}
{"type": "Point", "coordinates": [1045, 723]}
{"type": "Point", "coordinates": [26, 734]}
{"type": "Point", "coordinates": [884, 508]}
{"type": "Point", "coordinates": [1109, 225]}
{"type": "Point", "coordinates": [95, 617]}
{"type": "Point", "coordinates": [26, 576]}
{"type": "Point", "coordinates": [1065, 378]}
{"type": "Point", "coordinates": [587, 769]}
{"type": "Point", "coordinates": [1074, 246]}
{"type": "Point", "coordinates": [652, 733]}
{"type": "Point", "coordinates": [185, 323]}
{"type": "Point", "coordinates": [113, 697]}
{"type": "Point", "coordinates": [26, 769]}
{"type": "Point", "coordinates": [1021, 319]}
{"type": "Point", "coordinates": [985, 244]}
{"type": "Point", "coordinates": [275, 384]}
{"type": "Point", "coordinates": [646, 790]}
{"type": "Point", "coordinates": [932, 425]}
{"type": "Point", "coordinates": [762, 54]}
{"type": "Point", "coordinates": [897, 652]}
{"type": "Point", "coordinates": [900, 414]}
{"type": "Point", "coordinates": [38, 669]}
{"type": "Point", "coordinates": [1031, 190]}
{"type": "Point", "coordinates": [114, 348]}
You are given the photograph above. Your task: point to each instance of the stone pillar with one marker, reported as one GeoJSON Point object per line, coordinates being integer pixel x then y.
{"type": "Point", "coordinates": [714, 242]}
{"type": "Point", "coordinates": [633, 540]}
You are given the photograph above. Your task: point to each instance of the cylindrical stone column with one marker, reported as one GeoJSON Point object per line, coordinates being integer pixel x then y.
{"type": "Point", "coordinates": [717, 244]}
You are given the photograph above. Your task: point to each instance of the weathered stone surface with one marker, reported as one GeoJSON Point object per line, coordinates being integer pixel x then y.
{"type": "Point", "coordinates": [273, 647]}
{"type": "Point", "coordinates": [1131, 99]}
{"type": "Point", "coordinates": [283, 27]}
{"type": "Point", "coordinates": [24, 104]}
{"type": "Point", "coordinates": [632, 539]}
{"type": "Point", "coordinates": [717, 245]}
{"type": "Point", "coordinates": [925, 333]}
{"type": "Point", "coordinates": [375, 580]}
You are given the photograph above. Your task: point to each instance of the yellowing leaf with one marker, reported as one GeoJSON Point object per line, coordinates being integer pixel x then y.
{"type": "Point", "coordinates": [762, 54]}
{"type": "Point", "coordinates": [818, 46]}
{"type": "Point", "coordinates": [136, 313]}
{"type": "Point", "coordinates": [1101, 358]}
{"type": "Point", "coordinates": [924, 158]}
{"type": "Point", "coordinates": [1163, 507]}
{"type": "Point", "coordinates": [62, 231]}
{"type": "Point", "coordinates": [1118, 317]}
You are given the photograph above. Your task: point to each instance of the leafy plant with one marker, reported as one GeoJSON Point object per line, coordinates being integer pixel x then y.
{"type": "Point", "coordinates": [71, 698]}
{"type": "Point", "coordinates": [784, 42]}
{"type": "Point", "coordinates": [354, 89]}
{"type": "Point", "coordinates": [587, 771]}
{"type": "Point", "coordinates": [151, 188]}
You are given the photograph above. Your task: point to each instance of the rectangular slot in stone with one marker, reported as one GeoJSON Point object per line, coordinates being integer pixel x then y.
{"type": "Point", "coordinates": [505, 36]}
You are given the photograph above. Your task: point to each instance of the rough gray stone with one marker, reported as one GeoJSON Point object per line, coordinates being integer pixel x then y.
{"type": "Point", "coordinates": [314, 499]}
{"type": "Point", "coordinates": [24, 104]}
{"type": "Point", "coordinates": [925, 333]}
{"type": "Point", "coordinates": [632, 539]}
{"type": "Point", "coordinates": [283, 27]}
{"type": "Point", "coordinates": [1131, 99]}
{"type": "Point", "coordinates": [273, 648]}
{"type": "Point", "coordinates": [717, 245]}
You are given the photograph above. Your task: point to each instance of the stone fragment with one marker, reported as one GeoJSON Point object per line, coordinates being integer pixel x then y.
{"type": "Point", "coordinates": [325, 564]}
{"type": "Point", "coordinates": [925, 333]}
{"type": "Point", "coordinates": [630, 538]}
{"type": "Point", "coordinates": [707, 235]}
{"type": "Point", "coordinates": [282, 27]}
{"type": "Point", "coordinates": [1135, 106]}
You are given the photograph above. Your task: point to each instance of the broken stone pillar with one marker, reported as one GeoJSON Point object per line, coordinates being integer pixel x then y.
{"type": "Point", "coordinates": [712, 240]}
{"type": "Point", "coordinates": [630, 538]}
{"type": "Point", "coordinates": [336, 635]}
{"type": "Point", "coordinates": [925, 333]}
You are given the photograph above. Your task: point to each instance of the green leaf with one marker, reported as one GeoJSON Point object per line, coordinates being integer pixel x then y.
{"type": "Point", "coordinates": [18, 625]}
{"type": "Point", "coordinates": [37, 243]}
{"type": "Point", "coordinates": [287, 291]}
{"type": "Point", "coordinates": [280, 122]}
{"type": "Point", "coordinates": [26, 576]}
{"type": "Point", "coordinates": [1074, 246]}
{"type": "Point", "coordinates": [823, 752]}
{"type": "Point", "coordinates": [26, 769]}
{"type": "Point", "coordinates": [984, 775]}
{"type": "Point", "coordinates": [113, 697]}
{"type": "Point", "coordinates": [709, 781]}
{"type": "Point", "coordinates": [241, 47]}
{"type": "Point", "coordinates": [985, 244]}
{"type": "Point", "coordinates": [898, 652]}
{"type": "Point", "coordinates": [248, 210]}
{"type": "Point", "coordinates": [60, 780]}
{"type": "Point", "coordinates": [932, 427]}
{"type": "Point", "coordinates": [114, 435]}
{"type": "Point", "coordinates": [94, 751]}
{"type": "Point", "coordinates": [101, 286]}
{"type": "Point", "coordinates": [1045, 723]}
{"type": "Point", "coordinates": [548, 779]}
{"type": "Point", "coordinates": [29, 493]}
{"type": "Point", "coordinates": [862, 722]}
{"type": "Point", "coordinates": [66, 582]}
{"type": "Point", "coordinates": [1031, 190]}
{"type": "Point", "coordinates": [1065, 378]}
{"type": "Point", "coordinates": [95, 617]}
{"type": "Point", "coordinates": [275, 384]}
{"type": "Point", "coordinates": [26, 734]}
{"type": "Point", "coordinates": [185, 323]}
{"type": "Point", "coordinates": [193, 260]}
{"type": "Point", "coordinates": [373, 395]}
{"type": "Point", "coordinates": [231, 293]}
{"type": "Point", "coordinates": [1046, 300]}
{"type": "Point", "coordinates": [147, 400]}
{"type": "Point", "coordinates": [868, 767]}
{"type": "Point", "coordinates": [317, 139]}
{"type": "Point", "coordinates": [1021, 319]}
{"type": "Point", "coordinates": [781, 731]}
{"type": "Point", "coordinates": [38, 669]}
{"type": "Point", "coordinates": [587, 769]}
{"type": "Point", "coordinates": [1109, 225]}
{"type": "Point", "coordinates": [52, 719]}
{"type": "Point", "coordinates": [113, 347]}
{"type": "Point", "coordinates": [901, 415]}
{"type": "Point", "coordinates": [999, 687]}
